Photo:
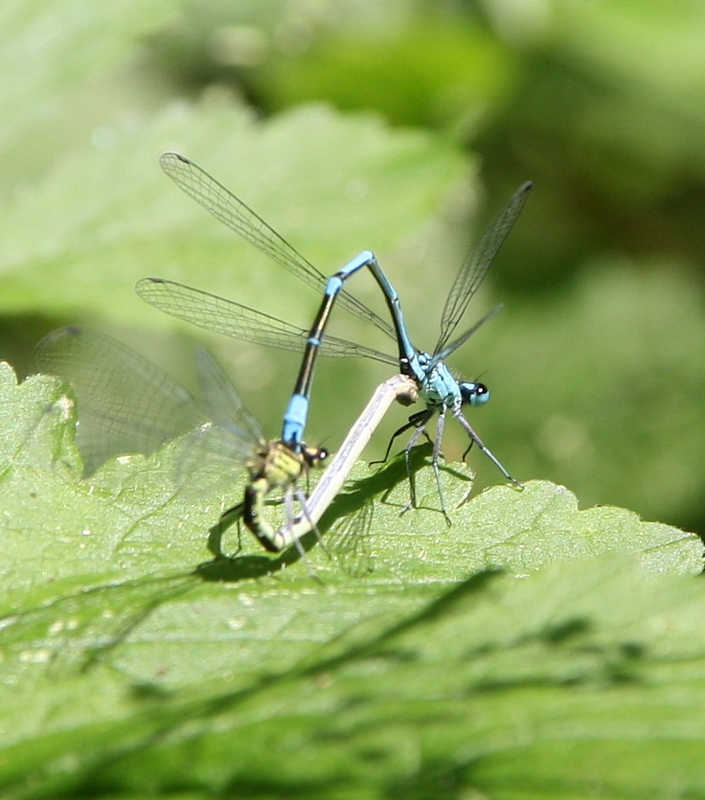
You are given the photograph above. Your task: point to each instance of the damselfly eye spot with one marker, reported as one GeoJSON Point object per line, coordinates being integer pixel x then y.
{"type": "Point", "coordinates": [314, 456]}
{"type": "Point", "coordinates": [473, 393]}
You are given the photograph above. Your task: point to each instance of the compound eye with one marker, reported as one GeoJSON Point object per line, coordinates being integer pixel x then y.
{"type": "Point", "coordinates": [476, 394]}
{"type": "Point", "coordinates": [314, 456]}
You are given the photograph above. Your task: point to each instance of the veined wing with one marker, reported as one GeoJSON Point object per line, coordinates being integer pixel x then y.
{"type": "Point", "coordinates": [349, 542]}
{"type": "Point", "coordinates": [473, 271]}
{"type": "Point", "coordinates": [214, 313]}
{"type": "Point", "coordinates": [126, 403]}
{"type": "Point", "coordinates": [225, 406]}
{"type": "Point", "coordinates": [239, 217]}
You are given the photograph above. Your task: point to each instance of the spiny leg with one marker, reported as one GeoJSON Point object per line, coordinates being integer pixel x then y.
{"type": "Point", "coordinates": [289, 515]}
{"type": "Point", "coordinates": [421, 429]}
{"type": "Point", "coordinates": [413, 441]}
{"type": "Point", "coordinates": [458, 414]}
{"type": "Point", "coordinates": [468, 449]}
{"type": "Point", "coordinates": [436, 455]}
{"type": "Point", "coordinates": [417, 420]}
{"type": "Point", "coordinates": [303, 502]}
{"type": "Point", "coordinates": [291, 492]}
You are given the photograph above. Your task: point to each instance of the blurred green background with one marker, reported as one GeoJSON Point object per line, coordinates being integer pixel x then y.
{"type": "Point", "coordinates": [402, 127]}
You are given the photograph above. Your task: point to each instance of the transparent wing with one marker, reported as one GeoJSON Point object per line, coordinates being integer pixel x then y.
{"type": "Point", "coordinates": [232, 438]}
{"type": "Point", "coordinates": [475, 268]}
{"type": "Point", "coordinates": [454, 345]}
{"type": "Point", "coordinates": [126, 403]}
{"type": "Point", "coordinates": [349, 543]}
{"type": "Point", "coordinates": [231, 211]}
{"type": "Point", "coordinates": [225, 406]}
{"type": "Point", "coordinates": [219, 315]}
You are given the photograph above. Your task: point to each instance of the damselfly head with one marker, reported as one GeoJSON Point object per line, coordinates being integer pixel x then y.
{"type": "Point", "coordinates": [314, 456]}
{"type": "Point", "coordinates": [474, 393]}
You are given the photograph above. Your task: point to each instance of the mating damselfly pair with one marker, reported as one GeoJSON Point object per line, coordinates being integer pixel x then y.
{"type": "Point", "coordinates": [154, 407]}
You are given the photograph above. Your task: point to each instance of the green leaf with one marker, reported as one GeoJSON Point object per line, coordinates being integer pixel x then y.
{"type": "Point", "coordinates": [127, 668]}
{"type": "Point", "coordinates": [59, 532]}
